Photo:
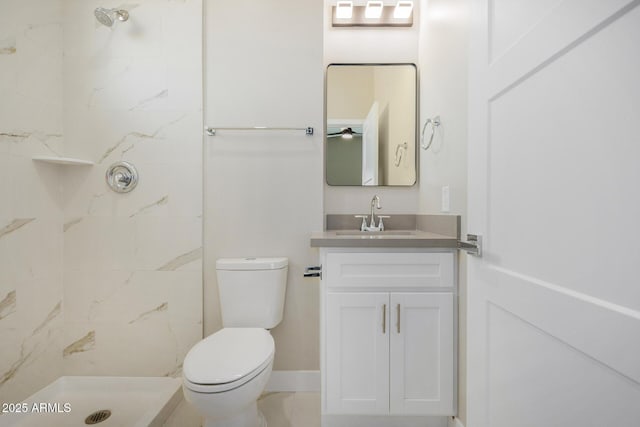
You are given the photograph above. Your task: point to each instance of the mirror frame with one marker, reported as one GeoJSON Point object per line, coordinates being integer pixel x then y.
{"type": "Point", "coordinates": [416, 130]}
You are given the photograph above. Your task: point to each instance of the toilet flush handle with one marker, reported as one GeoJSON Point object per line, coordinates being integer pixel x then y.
{"type": "Point", "coordinates": [314, 271]}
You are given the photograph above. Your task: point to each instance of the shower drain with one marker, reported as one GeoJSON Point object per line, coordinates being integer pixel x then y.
{"type": "Point", "coordinates": [98, 417]}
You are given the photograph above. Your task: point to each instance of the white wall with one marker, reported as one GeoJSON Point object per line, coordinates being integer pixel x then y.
{"type": "Point", "coordinates": [369, 45]}
{"type": "Point", "coordinates": [351, 94]}
{"type": "Point", "coordinates": [30, 196]}
{"type": "Point", "coordinates": [263, 190]}
{"type": "Point", "coordinates": [443, 92]}
{"type": "Point", "coordinates": [398, 123]}
{"type": "Point", "coordinates": [443, 60]}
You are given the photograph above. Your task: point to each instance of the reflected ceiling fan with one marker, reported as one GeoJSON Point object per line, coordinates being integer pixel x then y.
{"type": "Point", "coordinates": [345, 133]}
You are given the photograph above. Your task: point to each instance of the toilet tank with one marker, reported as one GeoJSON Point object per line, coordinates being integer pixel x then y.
{"type": "Point", "coordinates": [252, 291]}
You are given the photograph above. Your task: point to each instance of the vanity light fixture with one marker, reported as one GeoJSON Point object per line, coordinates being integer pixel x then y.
{"type": "Point", "coordinates": [344, 10]}
{"type": "Point", "coordinates": [373, 10]}
{"type": "Point", "coordinates": [374, 14]}
{"type": "Point", "coordinates": [403, 10]}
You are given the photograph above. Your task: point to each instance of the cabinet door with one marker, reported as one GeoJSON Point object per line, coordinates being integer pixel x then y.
{"type": "Point", "coordinates": [422, 358]}
{"type": "Point", "coordinates": [357, 353]}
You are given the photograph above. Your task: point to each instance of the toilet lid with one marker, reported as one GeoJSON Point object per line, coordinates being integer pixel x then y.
{"type": "Point", "coordinates": [228, 355]}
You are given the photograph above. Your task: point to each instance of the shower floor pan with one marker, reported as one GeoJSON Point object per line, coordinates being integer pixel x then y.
{"type": "Point", "coordinates": [68, 401]}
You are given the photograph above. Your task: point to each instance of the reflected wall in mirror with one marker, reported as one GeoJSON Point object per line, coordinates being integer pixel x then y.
{"type": "Point", "coordinates": [371, 124]}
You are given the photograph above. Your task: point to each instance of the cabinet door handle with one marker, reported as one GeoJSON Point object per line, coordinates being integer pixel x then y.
{"type": "Point", "coordinates": [384, 318]}
{"type": "Point", "coordinates": [398, 322]}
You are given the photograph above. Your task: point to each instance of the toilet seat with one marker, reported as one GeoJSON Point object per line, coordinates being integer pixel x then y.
{"type": "Point", "coordinates": [228, 359]}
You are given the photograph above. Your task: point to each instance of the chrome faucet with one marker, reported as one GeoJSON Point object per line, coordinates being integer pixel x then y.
{"type": "Point", "coordinates": [375, 204]}
{"type": "Point", "coordinates": [375, 201]}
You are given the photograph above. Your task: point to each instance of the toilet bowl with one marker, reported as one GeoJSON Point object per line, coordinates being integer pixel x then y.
{"type": "Point", "coordinates": [225, 373]}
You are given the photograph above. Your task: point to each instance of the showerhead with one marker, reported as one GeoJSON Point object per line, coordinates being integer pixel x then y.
{"type": "Point", "coordinates": [103, 16]}
{"type": "Point", "coordinates": [108, 16]}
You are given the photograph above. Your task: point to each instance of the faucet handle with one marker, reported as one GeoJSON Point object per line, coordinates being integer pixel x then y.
{"type": "Point", "coordinates": [380, 223]}
{"type": "Point", "coordinates": [363, 226]}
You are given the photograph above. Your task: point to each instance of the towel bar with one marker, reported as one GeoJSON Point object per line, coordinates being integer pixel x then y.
{"type": "Point", "coordinates": [211, 130]}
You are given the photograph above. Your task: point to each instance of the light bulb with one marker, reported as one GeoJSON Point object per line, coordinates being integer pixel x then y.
{"type": "Point", "coordinates": [403, 10]}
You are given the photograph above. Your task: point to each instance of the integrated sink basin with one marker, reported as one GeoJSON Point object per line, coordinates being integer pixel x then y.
{"type": "Point", "coordinates": [387, 233]}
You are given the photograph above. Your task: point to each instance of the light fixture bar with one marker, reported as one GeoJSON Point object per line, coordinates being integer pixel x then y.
{"type": "Point", "coordinates": [359, 17]}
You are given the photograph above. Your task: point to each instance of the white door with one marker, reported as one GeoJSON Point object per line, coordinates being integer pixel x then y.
{"type": "Point", "coordinates": [370, 147]}
{"type": "Point", "coordinates": [357, 352]}
{"type": "Point", "coordinates": [554, 187]}
{"type": "Point", "coordinates": [422, 358]}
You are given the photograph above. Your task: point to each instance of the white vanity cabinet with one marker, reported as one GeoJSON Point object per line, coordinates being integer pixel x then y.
{"type": "Point", "coordinates": [388, 331]}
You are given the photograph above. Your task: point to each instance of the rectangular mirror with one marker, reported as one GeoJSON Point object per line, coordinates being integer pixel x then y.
{"type": "Point", "coordinates": [371, 124]}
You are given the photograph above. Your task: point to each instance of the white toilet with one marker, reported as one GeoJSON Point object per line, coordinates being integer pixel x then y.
{"type": "Point", "coordinates": [225, 373]}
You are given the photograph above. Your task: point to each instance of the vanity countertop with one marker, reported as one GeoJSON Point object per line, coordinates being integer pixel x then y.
{"type": "Point", "coordinates": [403, 231]}
{"type": "Point", "coordinates": [385, 239]}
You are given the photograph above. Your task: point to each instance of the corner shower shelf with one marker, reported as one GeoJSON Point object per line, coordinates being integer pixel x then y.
{"type": "Point", "coordinates": [63, 161]}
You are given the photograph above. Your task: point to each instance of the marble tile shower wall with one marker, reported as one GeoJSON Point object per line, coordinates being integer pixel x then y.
{"type": "Point", "coordinates": [31, 122]}
{"type": "Point", "coordinates": [133, 262]}
{"type": "Point", "coordinates": [92, 282]}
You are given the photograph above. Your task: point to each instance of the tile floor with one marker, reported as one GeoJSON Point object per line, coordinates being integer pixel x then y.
{"type": "Point", "coordinates": [291, 409]}
{"type": "Point", "coordinates": [280, 409]}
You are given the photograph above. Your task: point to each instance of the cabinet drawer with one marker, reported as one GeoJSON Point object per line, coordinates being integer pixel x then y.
{"type": "Point", "coordinates": [389, 270]}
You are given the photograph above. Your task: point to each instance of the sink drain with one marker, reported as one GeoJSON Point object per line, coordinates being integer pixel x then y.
{"type": "Point", "coordinates": [98, 417]}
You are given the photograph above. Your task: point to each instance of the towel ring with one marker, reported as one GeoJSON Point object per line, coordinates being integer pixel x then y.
{"type": "Point", "coordinates": [435, 122]}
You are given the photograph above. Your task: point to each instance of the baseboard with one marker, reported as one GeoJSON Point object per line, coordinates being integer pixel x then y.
{"type": "Point", "coordinates": [455, 422]}
{"type": "Point", "coordinates": [294, 381]}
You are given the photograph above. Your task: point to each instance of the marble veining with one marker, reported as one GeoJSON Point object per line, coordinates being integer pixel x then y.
{"type": "Point", "coordinates": [8, 304]}
{"type": "Point", "coordinates": [67, 225]}
{"type": "Point", "coordinates": [127, 149]}
{"type": "Point", "coordinates": [181, 260]}
{"type": "Point", "coordinates": [96, 302]}
{"type": "Point", "coordinates": [24, 355]}
{"type": "Point", "coordinates": [178, 357]}
{"type": "Point", "coordinates": [138, 135]}
{"type": "Point", "coordinates": [15, 135]}
{"type": "Point", "coordinates": [8, 46]}
{"type": "Point", "coordinates": [94, 199]}
{"type": "Point", "coordinates": [122, 140]}
{"type": "Point", "coordinates": [162, 307]}
{"type": "Point", "coordinates": [144, 102]}
{"type": "Point", "coordinates": [15, 366]}
{"type": "Point", "coordinates": [52, 315]}
{"type": "Point", "coordinates": [15, 225]}
{"type": "Point", "coordinates": [85, 343]}
{"type": "Point", "coordinates": [45, 138]}
{"type": "Point", "coordinates": [18, 137]}
{"type": "Point", "coordinates": [132, 144]}
{"type": "Point", "coordinates": [162, 201]}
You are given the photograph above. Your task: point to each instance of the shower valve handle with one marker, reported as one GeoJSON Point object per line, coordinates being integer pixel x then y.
{"type": "Point", "coordinates": [123, 178]}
